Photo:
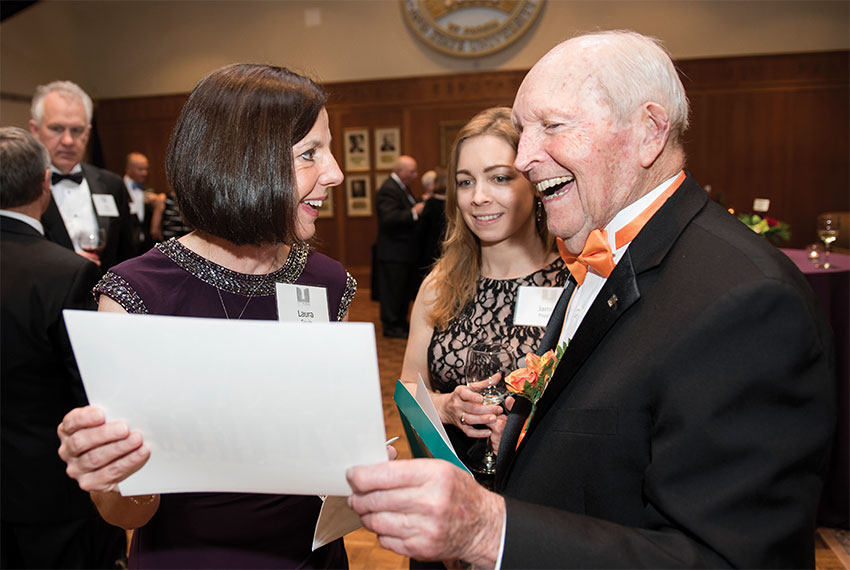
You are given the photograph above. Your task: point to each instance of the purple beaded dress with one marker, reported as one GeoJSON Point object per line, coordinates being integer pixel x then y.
{"type": "Point", "coordinates": [226, 530]}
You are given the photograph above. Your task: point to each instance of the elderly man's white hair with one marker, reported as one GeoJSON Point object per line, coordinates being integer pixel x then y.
{"type": "Point", "coordinates": [66, 89]}
{"type": "Point", "coordinates": [428, 178]}
{"type": "Point", "coordinates": [634, 70]}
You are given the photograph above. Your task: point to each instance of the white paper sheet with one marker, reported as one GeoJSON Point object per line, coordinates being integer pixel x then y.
{"type": "Point", "coordinates": [236, 406]}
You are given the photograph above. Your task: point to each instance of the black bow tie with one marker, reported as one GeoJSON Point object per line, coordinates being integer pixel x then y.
{"type": "Point", "coordinates": [76, 178]}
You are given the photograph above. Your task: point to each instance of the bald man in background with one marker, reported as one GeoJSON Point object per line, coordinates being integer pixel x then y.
{"type": "Point", "coordinates": [141, 199]}
{"type": "Point", "coordinates": [398, 246]}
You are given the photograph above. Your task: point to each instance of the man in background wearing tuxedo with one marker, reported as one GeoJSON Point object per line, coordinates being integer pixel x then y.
{"type": "Point", "coordinates": [86, 199]}
{"type": "Point", "coordinates": [47, 521]}
{"type": "Point", "coordinates": [141, 200]}
{"type": "Point", "coordinates": [398, 246]}
{"type": "Point", "coordinates": [688, 422]}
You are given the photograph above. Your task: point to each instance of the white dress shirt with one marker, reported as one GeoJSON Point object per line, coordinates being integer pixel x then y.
{"type": "Point", "coordinates": [75, 206]}
{"type": "Point", "coordinates": [137, 198]}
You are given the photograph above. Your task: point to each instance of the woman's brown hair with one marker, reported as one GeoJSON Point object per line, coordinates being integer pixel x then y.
{"type": "Point", "coordinates": [456, 273]}
{"type": "Point", "coordinates": [230, 156]}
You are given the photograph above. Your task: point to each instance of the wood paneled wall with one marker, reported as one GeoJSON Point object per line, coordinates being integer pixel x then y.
{"type": "Point", "coordinates": [762, 127]}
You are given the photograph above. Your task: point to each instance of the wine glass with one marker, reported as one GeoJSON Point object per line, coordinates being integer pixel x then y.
{"type": "Point", "coordinates": [487, 364]}
{"type": "Point", "coordinates": [828, 227]}
{"type": "Point", "coordinates": [92, 241]}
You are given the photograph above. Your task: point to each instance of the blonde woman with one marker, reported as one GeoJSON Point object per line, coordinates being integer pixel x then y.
{"type": "Point", "coordinates": [496, 241]}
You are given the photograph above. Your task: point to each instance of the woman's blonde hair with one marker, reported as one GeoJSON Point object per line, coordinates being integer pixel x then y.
{"type": "Point", "coordinates": [456, 272]}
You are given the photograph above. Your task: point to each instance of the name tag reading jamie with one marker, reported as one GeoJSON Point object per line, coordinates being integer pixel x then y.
{"type": "Point", "coordinates": [105, 205]}
{"type": "Point", "coordinates": [302, 303]}
{"type": "Point", "coordinates": [534, 305]}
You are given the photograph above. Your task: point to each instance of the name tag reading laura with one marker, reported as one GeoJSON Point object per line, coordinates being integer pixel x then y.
{"type": "Point", "coordinates": [534, 305]}
{"type": "Point", "coordinates": [302, 303]}
{"type": "Point", "coordinates": [105, 206]}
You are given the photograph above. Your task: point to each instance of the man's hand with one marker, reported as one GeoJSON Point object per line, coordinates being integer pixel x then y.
{"type": "Point", "coordinates": [90, 256]}
{"type": "Point", "coordinates": [428, 509]}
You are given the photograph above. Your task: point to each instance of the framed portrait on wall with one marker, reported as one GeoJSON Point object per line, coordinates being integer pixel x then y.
{"type": "Point", "coordinates": [327, 209]}
{"type": "Point", "coordinates": [356, 143]}
{"type": "Point", "coordinates": [358, 195]}
{"type": "Point", "coordinates": [387, 147]}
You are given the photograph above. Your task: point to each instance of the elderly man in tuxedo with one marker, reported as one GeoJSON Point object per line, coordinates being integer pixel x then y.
{"type": "Point", "coordinates": [86, 199]}
{"type": "Point", "coordinates": [398, 246]}
{"type": "Point", "coordinates": [688, 421]}
{"type": "Point", "coordinates": [47, 521]}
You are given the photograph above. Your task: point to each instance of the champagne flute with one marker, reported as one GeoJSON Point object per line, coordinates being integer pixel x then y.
{"type": "Point", "coordinates": [487, 364]}
{"type": "Point", "coordinates": [828, 226]}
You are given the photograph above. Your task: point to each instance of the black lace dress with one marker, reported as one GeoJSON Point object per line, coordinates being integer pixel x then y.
{"type": "Point", "coordinates": [489, 316]}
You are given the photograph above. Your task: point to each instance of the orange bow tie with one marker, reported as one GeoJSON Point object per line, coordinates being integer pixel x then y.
{"type": "Point", "coordinates": [596, 254]}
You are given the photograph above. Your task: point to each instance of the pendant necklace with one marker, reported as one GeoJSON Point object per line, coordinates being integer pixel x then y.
{"type": "Point", "coordinates": [251, 293]}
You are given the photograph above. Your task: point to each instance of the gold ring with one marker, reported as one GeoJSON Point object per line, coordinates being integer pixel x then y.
{"type": "Point", "coordinates": [462, 419]}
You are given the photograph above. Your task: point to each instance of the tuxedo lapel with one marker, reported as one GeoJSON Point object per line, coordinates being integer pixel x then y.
{"type": "Point", "coordinates": [54, 226]}
{"type": "Point", "coordinates": [556, 321]}
{"type": "Point", "coordinates": [618, 294]}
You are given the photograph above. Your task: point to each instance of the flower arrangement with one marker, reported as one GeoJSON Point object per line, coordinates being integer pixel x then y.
{"type": "Point", "coordinates": [769, 228]}
{"type": "Point", "coordinates": [531, 381]}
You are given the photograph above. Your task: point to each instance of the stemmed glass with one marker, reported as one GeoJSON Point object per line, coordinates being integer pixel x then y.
{"type": "Point", "coordinates": [92, 241]}
{"type": "Point", "coordinates": [828, 227]}
{"type": "Point", "coordinates": [487, 364]}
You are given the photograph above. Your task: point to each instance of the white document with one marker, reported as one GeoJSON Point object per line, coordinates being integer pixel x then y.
{"type": "Point", "coordinates": [236, 406]}
{"type": "Point", "coordinates": [534, 305]}
{"type": "Point", "coordinates": [423, 398]}
{"type": "Point", "coordinates": [302, 303]}
{"type": "Point", "coordinates": [105, 206]}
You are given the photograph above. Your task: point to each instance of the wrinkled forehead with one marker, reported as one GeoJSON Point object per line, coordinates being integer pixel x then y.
{"type": "Point", "coordinates": [559, 80]}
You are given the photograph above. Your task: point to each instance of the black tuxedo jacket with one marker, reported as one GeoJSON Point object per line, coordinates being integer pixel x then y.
{"type": "Point", "coordinates": [688, 422]}
{"type": "Point", "coordinates": [38, 375]}
{"type": "Point", "coordinates": [120, 242]}
{"type": "Point", "coordinates": [398, 232]}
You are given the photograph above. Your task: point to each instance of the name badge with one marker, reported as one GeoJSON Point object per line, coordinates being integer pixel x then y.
{"type": "Point", "coordinates": [534, 305]}
{"type": "Point", "coordinates": [104, 205]}
{"type": "Point", "coordinates": [302, 303]}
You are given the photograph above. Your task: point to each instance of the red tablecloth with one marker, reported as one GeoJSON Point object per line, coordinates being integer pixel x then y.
{"type": "Point", "coordinates": [832, 288]}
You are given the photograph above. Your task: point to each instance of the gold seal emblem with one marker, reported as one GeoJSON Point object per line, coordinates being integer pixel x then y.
{"type": "Point", "coordinates": [470, 28]}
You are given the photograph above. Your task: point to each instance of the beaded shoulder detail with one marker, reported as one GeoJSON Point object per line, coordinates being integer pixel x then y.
{"type": "Point", "coordinates": [232, 281]}
{"type": "Point", "coordinates": [347, 295]}
{"type": "Point", "coordinates": [116, 288]}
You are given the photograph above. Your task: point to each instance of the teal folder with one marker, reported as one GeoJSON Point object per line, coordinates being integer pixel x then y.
{"type": "Point", "coordinates": [423, 437]}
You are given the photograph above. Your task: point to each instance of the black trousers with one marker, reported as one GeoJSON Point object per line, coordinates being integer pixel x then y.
{"type": "Point", "coordinates": [81, 543]}
{"type": "Point", "coordinates": [397, 283]}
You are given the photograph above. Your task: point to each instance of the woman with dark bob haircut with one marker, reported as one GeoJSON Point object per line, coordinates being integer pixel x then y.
{"type": "Point", "coordinates": [250, 163]}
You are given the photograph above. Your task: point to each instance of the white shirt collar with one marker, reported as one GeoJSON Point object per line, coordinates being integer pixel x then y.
{"type": "Point", "coordinates": [395, 177]}
{"type": "Point", "coordinates": [633, 210]}
{"type": "Point", "coordinates": [24, 218]}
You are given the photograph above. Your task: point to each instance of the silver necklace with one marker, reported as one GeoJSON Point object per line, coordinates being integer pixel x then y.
{"type": "Point", "coordinates": [251, 293]}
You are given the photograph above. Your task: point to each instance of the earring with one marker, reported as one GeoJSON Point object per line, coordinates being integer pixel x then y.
{"type": "Point", "coordinates": [539, 209]}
